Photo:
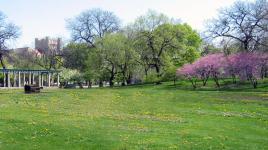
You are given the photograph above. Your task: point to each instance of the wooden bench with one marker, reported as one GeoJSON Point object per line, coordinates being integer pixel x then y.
{"type": "Point", "coordinates": [32, 89]}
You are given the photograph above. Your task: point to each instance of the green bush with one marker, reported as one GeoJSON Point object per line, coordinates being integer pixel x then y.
{"type": "Point", "coordinates": [152, 78]}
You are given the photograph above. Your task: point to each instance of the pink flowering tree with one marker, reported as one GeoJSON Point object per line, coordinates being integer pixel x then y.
{"type": "Point", "coordinates": [213, 64]}
{"type": "Point", "coordinates": [189, 72]}
{"type": "Point", "coordinates": [230, 68]}
{"type": "Point", "coordinates": [246, 66]}
{"type": "Point", "coordinates": [201, 70]}
{"type": "Point", "coordinates": [205, 67]}
{"type": "Point", "coordinates": [263, 62]}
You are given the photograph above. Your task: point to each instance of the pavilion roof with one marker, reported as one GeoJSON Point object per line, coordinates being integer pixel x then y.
{"type": "Point", "coordinates": [28, 71]}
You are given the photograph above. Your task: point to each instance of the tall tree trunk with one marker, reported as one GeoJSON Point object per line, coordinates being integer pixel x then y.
{"type": "Point", "coordinates": [124, 77]}
{"type": "Point", "coordinates": [217, 81]}
{"type": "Point", "coordinates": [157, 69]}
{"type": "Point", "coordinates": [146, 71]}
{"type": "Point", "coordinates": [80, 85]}
{"type": "Point", "coordinates": [129, 79]}
{"type": "Point", "coordinates": [4, 67]}
{"type": "Point", "coordinates": [111, 82]}
{"type": "Point", "coordinates": [100, 83]}
{"type": "Point", "coordinates": [204, 80]}
{"type": "Point", "coordinates": [254, 82]}
{"type": "Point", "coordinates": [89, 84]}
{"type": "Point", "coordinates": [245, 43]}
{"type": "Point", "coordinates": [234, 79]}
{"type": "Point", "coordinates": [193, 83]}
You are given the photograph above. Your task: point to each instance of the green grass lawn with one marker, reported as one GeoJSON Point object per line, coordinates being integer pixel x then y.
{"type": "Point", "coordinates": [136, 117]}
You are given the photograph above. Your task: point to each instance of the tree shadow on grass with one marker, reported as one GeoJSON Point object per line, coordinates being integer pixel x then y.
{"type": "Point", "coordinates": [186, 86]}
{"type": "Point", "coordinates": [10, 92]}
{"type": "Point", "coordinates": [225, 88]}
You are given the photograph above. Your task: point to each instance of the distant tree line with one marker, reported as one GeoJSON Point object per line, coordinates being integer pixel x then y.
{"type": "Point", "coordinates": [148, 50]}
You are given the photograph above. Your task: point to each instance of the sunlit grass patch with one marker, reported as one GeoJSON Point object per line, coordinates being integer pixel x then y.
{"type": "Point", "coordinates": [142, 117]}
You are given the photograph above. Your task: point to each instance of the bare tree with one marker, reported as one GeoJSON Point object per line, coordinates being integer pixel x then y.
{"type": "Point", "coordinates": [8, 31]}
{"type": "Point", "coordinates": [245, 22]}
{"type": "Point", "coordinates": [92, 24]}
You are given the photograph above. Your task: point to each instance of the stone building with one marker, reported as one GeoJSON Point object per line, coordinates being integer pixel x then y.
{"type": "Point", "coordinates": [47, 44]}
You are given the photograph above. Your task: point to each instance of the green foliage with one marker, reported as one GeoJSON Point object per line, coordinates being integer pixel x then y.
{"type": "Point", "coordinates": [23, 60]}
{"type": "Point", "coordinates": [152, 78]}
{"type": "Point", "coordinates": [169, 71]}
{"type": "Point", "coordinates": [188, 56]}
{"type": "Point", "coordinates": [119, 77]}
{"type": "Point", "coordinates": [95, 66]}
{"type": "Point", "coordinates": [1, 77]}
{"type": "Point", "coordinates": [189, 49]}
{"type": "Point", "coordinates": [114, 55]}
{"type": "Point", "coordinates": [88, 75]}
{"type": "Point", "coordinates": [7, 62]}
{"type": "Point", "coordinates": [75, 56]}
{"type": "Point", "coordinates": [165, 42]}
{"type": "Point", "coordinates": [154, 44]}
{"type": "Point", "coordinates": [69, 75]}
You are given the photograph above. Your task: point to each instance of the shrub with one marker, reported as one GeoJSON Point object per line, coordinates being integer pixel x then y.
{"type": "Point", "coordinates": [152, 78]}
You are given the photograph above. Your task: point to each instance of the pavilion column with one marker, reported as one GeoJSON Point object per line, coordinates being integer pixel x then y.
{"type": "Point", "coordinates": [8, 79]}
{"type": "Point", "coordinates": [19, 80]}
{"type": "Point", "coordinates": [30, 79]}
{"type": "Point", "coordinates": [24, 79]}
{"type": "Point", "coordinates": [52, 79]}
{"type": "Point", "coordinates": [39, 79]}
{"type": "Point", "coordinates": [49, 78]}
{"type": "Point", "coordinates": [15, 79]}
{"type": "Point", "coordinates": [58, 80]}
{"type": "Point", "coordinates": [33, 79]}
{"type": "Point", "coordinates": [5, 84]}
{"type": "Point", "coordinates": [42, 80]}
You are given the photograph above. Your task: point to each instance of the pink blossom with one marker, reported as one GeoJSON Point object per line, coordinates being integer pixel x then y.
{"type": "Point", "coordinates": [246, 66]}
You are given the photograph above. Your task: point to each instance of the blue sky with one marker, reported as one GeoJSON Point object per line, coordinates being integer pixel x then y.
{"type": "Point", "coordinates": [40, 18]}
